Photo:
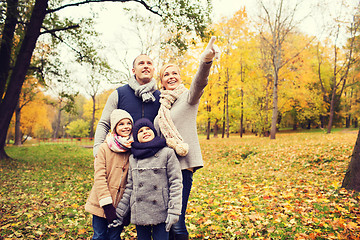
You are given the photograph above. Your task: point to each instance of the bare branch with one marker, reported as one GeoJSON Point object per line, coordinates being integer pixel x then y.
{"type": "Point", "coordinates": [60, 29]}
{"type": "Point", "coordinates": [298, 53]}
{"type": "Point", "coordinates": [149, 8]}
{"type": "Point", "coordinates": [61, 40]}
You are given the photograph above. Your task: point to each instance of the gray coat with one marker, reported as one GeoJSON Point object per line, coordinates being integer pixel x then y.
{"type": "Point", "coordinates": [154, 188]}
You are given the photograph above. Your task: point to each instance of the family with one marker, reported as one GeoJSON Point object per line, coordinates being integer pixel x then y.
{"type": "Point", "coordinates": [146, 151]}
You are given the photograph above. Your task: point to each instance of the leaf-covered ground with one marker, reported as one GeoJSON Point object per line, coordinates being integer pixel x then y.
{"type": "Point", "coordinates": [250, 188]}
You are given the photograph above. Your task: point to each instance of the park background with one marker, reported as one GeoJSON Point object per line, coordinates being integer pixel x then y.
{"type": "Point", "coordinates": [272, 74]}
{"type": "Point", "coordinates": [277, 121]}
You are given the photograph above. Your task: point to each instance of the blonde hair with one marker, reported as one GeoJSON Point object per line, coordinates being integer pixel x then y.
{"type": "Point", "coordinates": [162, 71]}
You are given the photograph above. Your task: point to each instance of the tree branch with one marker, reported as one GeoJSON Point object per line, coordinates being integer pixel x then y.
{"type": "Point", "coordinates": [93, 1]}
{"type": "Point", "coordinates": [61, 40]}
{"type": "Point", "coordinates": [60, 29]}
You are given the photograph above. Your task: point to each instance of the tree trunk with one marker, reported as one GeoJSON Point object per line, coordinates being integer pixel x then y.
{"type": "Point", "coordinates": [216, 128]}
{"type": "Point", "coordinates": [332, 111]}
{"type": "Point", "coordinates": [348, 121]}
{"type": "Point", "coordinates": [208, 129]}
{"type": "Point", "coordinates": [227, 113]}
{"type": "Point", "coordinates": [351, 180]}
{"type": "Point", "coordinates": [18, 135]}
{"type": "Point", "coordinates": [8, 104]}
{"type": "Point", "coordinates": [58, 122]}
{"type": "Point", "coordinates": [7, 42]}
{"type": "Point", "coordinates": [242, 114]}
{"type": "Point", "coordinates": [322, 121]}
{"type": "Point", "coordinates": [224, 117]}
{"type": "Point", "coordinates": [92, 123]}
{"type": "Point", "coordinates": [227, 103]}
{"type": "Point", "coordinates": [275, 107]}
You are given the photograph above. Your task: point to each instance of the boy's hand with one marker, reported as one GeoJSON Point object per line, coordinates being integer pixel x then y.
{"type": "Point", "coordinates": [171, 220]}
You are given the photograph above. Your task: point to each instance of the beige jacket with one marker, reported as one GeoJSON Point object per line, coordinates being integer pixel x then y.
{"type": "Point", "coordinates": [110, 177]}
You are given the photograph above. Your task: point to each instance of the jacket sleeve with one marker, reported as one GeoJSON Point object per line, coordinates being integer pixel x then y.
{"type": "Point", "coordinates": [175, 183]}
{"type": "Point", "coordinates": [103, 126]}
{"type": "Point", "coordinates": [123, 208]}
{"type": "Point", "coordinates": [100, 179]}
{"type": "Point", "coordinates": [199, 82]}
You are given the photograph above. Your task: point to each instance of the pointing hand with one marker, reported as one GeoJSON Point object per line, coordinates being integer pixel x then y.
{"type": "Point", "coordinates": [210, 51]}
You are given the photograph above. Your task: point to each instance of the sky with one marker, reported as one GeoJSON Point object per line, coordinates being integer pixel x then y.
{"type": "Point", "coordinates": [114, 25]}
{"type": "Point", "coordinates": [112, 21]}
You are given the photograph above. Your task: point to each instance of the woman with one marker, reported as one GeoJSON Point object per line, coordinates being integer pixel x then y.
{"type": "Point", "coordinates": [176, 121]}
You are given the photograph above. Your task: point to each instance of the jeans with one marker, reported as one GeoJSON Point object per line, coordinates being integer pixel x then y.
{"type": "Point", "coordinates": [157, 232]}
{"type": "Point", "coordinates": [102, 232]}
{"type": "Point", "coordinates": [180, 227]}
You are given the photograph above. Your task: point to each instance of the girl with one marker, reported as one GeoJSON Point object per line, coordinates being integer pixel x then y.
{"type": "Point", "coordinates": [154, 188]}
{"type": "Point", "coordinates": [111, 167]}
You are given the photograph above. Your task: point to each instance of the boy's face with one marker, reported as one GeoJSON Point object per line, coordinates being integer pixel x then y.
{"type": "Point", "coordinates": [124, 127]}
{"type": "Point", "coordinates": [145, 134]}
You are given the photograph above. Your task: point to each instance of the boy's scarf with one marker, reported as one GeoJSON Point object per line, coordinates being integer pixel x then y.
{"type": "Point", "coordinates": [117, 143]}
{"type": "Point", "coordinates": [147, 149]}
{"type": "Point", "coordinates": [166, 124]}
{"type": "Point", "coordinates": [144, 91]}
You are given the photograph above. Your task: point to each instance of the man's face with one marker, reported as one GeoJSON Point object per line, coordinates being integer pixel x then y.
{"type": "Point", "coordinates": [143, 69]}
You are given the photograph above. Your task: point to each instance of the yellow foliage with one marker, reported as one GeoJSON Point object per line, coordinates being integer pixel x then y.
{"type": "Point", "coordinates": [35, 116]}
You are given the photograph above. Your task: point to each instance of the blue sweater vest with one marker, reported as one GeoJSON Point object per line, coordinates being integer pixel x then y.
{"type": "Point", "coordinates": [135, 106]}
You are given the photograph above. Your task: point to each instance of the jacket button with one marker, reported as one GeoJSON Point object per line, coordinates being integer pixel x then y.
{"type": "Point", "coordinates": [155, 187]}
{"type": "Point", "coordinates": [139, 199]}
{"type": "Point", "coordinates": [156, 155]}
{"type": "Point", "coordinates": [141, 184]}
{"type": "Point", "coordinates": [154, 202]}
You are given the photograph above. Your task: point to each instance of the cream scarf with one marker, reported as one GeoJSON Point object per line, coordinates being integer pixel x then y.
{"type": "Point", "coordinates": [166, 124]}
{"type": "Point", "coordinates": [144, 91]}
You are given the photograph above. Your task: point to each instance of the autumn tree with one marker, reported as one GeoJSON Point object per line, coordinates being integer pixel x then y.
{"type": "Point", "coordinates": [36, 117]}
{"type": "Point", "coordinates": [233, 37]}
{"type": "Point", "coordinates": [95, 72]}
{"type": "Point", "coordinates": [335, 62]}
{"type": "Point", "coordinates": [351, 179]}
{"type": "Point", "coordinates": [277, 21]}
{"type": "Point", "coordinates": [300, 103]}
{"type": "Point", "coordinates": [28, 94]}
{"type": "Point", "coordinates": [179, 15]}
{"type": "Point", "coordinates": [100, 104]}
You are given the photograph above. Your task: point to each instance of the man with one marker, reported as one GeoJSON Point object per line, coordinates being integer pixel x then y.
{"type": "Point", "coordinates": [139, 97]}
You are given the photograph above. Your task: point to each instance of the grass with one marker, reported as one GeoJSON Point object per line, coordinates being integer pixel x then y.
{"type": "Point", "coordinates": [249, 188]}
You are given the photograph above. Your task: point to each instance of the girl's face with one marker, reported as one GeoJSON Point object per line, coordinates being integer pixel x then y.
{"type": "Point", "coordinates": [124, 127]}
{"type": "Point", "coordinates": [171, 78]}
{"type": "Point", "coordinates": [145, 134]}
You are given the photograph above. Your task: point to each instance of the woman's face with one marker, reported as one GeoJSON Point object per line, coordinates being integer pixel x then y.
{"type": "Point", "coordinates": [145, 134]}
{"type": "Point", "coordinates": [124, 127]}
{"type": "Point", "coordinates": [171, 78]}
